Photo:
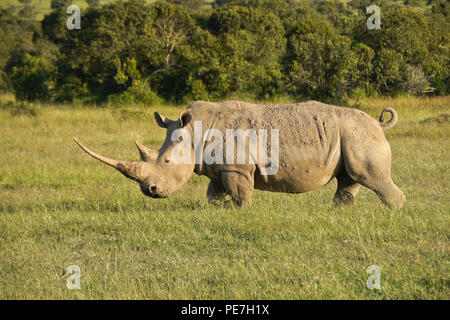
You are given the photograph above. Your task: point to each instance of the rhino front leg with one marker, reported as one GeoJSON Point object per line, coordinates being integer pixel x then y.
{"type": "Point", "coordinates": [216, 191]}
{"type": "Point", "coordinates": [238, 186]}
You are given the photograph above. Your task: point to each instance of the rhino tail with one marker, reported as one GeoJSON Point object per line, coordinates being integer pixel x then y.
{"type": "Point", "coordinates": [391, 122]}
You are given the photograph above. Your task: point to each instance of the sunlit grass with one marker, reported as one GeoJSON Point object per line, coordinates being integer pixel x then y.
{"type": "Point", "coordinates": [59, 207]}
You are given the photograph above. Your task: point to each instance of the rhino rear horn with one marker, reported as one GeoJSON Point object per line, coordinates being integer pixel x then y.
{"type": "Point", "coordinates": [147, 154]}
{"type": "Point", "coordinates": [133, 170]}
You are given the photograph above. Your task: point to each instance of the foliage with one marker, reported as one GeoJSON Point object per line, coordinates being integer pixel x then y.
{"type": "Point", "coordinates": [322, 63]}
{"type": "Point", "coordinates": [33, 77]}
{"type": "Point", "coordinates": [15, 36]}
{"type": "Point", "coordinates": [137, 93]}
{"type": "Point", "coordinates": [184, 50]}
{"type": "Point", "coordinates": [407, 41]}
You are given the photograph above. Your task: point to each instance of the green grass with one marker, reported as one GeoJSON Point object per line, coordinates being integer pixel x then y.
{"type": "Point", "coordinates": [59, 207]}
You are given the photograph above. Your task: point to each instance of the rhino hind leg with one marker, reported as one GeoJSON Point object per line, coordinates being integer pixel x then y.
{"type": "Point", "coordinates": [390, 194]}
{"type": "Point", "coordinates": [346, 190]}
{"type": "Point", "coordinates": [238, 186]}
{"type": "Point", "coordinates": [371, 167]}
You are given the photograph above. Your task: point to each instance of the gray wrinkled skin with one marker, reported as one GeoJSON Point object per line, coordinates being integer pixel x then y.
{"type": "Point", "coordinates": [317, 142]}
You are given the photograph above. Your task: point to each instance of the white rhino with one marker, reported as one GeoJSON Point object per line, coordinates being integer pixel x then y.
{"type": "Point", "coordinates": [317, 142]}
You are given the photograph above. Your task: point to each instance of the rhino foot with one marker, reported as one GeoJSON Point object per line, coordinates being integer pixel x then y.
{"type": "Point", "coordinates": [390, 194]}
{"type": "Point", "coordinates": [239, 186]}
{"type": "Point", "coordinates": [343, 198]}
{"type": "Point", "coordinates": [216, 191]}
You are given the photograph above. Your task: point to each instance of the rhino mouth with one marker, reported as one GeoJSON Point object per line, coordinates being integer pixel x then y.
{"type": "Point", "coordinates": [154, 194]}
{"type": "Point", "coordinates": [158, 196]}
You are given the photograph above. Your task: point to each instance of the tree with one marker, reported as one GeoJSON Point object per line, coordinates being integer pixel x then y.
{"type": "Point", "coordinates": [441, 7]}
{"type": "Point", "coordinates": [407, 40]}
{"type": "Point", "coordinates": [252, 46]}
{"type": "Point", "coordinates": [32, 77]}
{"type": "Point", "coordinates": [93, 3]}
{"type": "Point", "coordinates": [321, 63]}
{"type": "Point", "coordinates": [17, 36]}
{"type": "Point", "coordinates": [192, 4]}
{"type": "Point", "coordinates": [59, 4]}
{"type": "Point", "coordinates": [130, 51]}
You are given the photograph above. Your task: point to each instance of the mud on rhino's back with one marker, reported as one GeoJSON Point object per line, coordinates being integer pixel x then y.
{"type": "Point", "coordinates": [309, 139]}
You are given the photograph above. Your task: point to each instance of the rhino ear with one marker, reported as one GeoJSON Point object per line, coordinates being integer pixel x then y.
{"type": "Point", "coordinates": [162, 121]}
{"type": "Point", "coordinates": [185, 118]}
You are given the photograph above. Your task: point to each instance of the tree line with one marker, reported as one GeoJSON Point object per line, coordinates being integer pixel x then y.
{"type": "Point", "coordinates": [181, 50]}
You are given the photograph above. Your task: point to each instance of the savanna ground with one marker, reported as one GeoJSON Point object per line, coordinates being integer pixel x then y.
{"type": "Point", "coordinates": [59, 207]}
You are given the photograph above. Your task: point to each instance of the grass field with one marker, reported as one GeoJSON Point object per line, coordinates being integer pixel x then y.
{"type": "Point", "coordinates": [59, 207]}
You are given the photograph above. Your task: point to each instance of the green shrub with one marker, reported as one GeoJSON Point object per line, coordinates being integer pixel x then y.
{"type": "Point", "coordinates": [72, 89]}
{"type": "Point", "coordinates": [33, 77]}
{"type": "Point", "coordinates": [441, 88]}
{"type": "Point", "coordinates": [139, 93]}
{"type": "Point", "coordinates": [257, 49]}
{"type": "Point", "coordinates": [23, 108]}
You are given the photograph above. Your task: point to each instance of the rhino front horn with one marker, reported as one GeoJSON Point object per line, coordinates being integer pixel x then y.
{"type": "Point", "coordinates": [133, 170]}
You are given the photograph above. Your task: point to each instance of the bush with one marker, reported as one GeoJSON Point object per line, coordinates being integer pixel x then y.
{"type": "Point", "coordinates": [441, 88]}
{"type": "Point", "coordinates": [23, 108]}
{"type": "Point", "coordinates": [415, 80]}
{"type": "Point", "coordinates": [33, 77]}
{"type": "Point", "coordinates": [257, 49]}
{"type": "Point", "coordinates": [137, 94]}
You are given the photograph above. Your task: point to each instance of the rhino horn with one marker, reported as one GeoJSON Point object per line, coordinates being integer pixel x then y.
{"type": "Point", "coordinates": [133, 170]}
{"type": "Point", "coordinates": [147, 154]}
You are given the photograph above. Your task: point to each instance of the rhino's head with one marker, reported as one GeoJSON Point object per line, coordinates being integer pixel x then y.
{"type": "Point", "coordinates": [158, 174]}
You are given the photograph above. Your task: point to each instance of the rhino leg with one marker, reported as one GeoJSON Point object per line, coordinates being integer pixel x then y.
{"type": "Point", "coordinates": [238, 186]}
{"type": "Point", "coordinates": [390, 194]}
{"type": "Point", "coordinates": [346, 190]}
{"type": "Point", "coordinates": [370, 165]}
{"type": "Point", "coordinates": [216, 191]}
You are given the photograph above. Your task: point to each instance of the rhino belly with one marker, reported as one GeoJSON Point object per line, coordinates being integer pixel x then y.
{"type": "Point", "coordinates": [296, 180]}
{"type": "Point", "coordinates": [303, 169]}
